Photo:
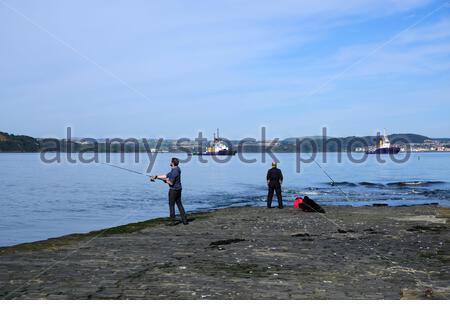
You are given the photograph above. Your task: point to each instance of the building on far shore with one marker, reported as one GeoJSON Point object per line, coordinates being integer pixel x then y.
{"type": "Point", "coordinates": [426, 146]}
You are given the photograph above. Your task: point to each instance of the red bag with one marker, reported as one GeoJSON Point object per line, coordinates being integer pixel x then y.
{"type": "Point", "coordinates": [298, 202]}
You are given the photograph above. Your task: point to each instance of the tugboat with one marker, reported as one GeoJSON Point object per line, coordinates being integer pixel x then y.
{"type": "Point", "coordinates": [383, 146]}
{"type": "Point", "coordinates": [217, 147]}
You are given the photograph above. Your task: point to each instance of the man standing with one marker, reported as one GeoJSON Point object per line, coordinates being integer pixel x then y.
{"type": "Point", "coordinates": [274, 181]}
{"type": "Point", "coordinates": [173, 179]}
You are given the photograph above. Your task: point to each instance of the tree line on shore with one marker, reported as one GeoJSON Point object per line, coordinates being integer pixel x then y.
{"type": "Point", "coordinates": [22, 143]}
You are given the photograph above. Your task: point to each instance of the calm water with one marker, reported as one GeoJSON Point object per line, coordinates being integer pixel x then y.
{"type": "Point", "coordinates": [39, 200]}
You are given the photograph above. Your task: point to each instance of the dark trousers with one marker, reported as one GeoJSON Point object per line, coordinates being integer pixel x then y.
{"type": "Point", "coordinates": [175, 198]}
{"type": "Point", "coordinates": [274, 186]}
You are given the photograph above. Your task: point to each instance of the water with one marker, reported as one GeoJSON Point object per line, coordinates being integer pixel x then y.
{"type": "Point", "coordinates": [39, 200]}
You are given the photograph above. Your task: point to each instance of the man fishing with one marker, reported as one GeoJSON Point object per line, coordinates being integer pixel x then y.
{"type": "Point", "coordinates": [173, 179]}
{"type": "Point", "coordinates": [274, 182]}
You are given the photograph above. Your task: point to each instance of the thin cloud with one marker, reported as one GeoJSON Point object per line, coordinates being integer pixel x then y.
{"type": "Point", "coordinates": [230, 57]}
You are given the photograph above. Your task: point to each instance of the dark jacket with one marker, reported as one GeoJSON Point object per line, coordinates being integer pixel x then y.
{"type": "Point", "coordinates": [274, 176]}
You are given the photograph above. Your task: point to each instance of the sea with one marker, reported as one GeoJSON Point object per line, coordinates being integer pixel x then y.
{"type": "Point", "coordinates": [42, 200]}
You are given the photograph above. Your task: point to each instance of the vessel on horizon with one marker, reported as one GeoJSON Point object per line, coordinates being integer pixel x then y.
{"type": "Point", "coordinates": [217, 147]}
{"type": "Point", "coordinates": [382, 146]}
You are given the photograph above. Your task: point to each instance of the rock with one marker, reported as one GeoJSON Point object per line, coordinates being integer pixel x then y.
{"type": "Point", "coordinates": [225, 242]}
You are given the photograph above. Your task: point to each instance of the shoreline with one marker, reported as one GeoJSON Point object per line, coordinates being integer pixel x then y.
{"type": "Point", "coordinates": [54, 242]}
{"type": "Point", "coordinates": [244, 253]}
{"type": "Point", "coordinates": [139, 225]}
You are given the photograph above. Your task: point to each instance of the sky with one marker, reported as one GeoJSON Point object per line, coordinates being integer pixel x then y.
{"type": "Point", "coordinates": [173, 68]}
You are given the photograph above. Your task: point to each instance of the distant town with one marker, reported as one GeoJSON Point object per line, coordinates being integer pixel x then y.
{"type": "Point", "coordinates": [427, 146]}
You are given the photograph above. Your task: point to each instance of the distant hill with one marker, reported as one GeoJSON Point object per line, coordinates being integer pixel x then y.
{"type": "Point", "coordinates": [21, 143]}
{"type": "Point", "coordinates": [13, 143]}
{"type": "Point", "coordinates": [410, 137]}
{"type": "Point", "coordinates": [334, 144]}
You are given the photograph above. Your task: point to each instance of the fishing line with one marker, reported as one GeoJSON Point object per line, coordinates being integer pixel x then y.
{"type": "Point", "coordinates": [333, 182]}
{"type": "Point", "coordinates": [396, 265]}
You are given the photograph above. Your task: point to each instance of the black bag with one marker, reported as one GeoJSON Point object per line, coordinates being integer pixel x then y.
{"type": "Point", "coordinates": [309, 205]}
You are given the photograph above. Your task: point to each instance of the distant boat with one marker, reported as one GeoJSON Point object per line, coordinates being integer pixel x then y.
{"type": "Point", "coordinates": [383, 146]}
{"type": "Point", "coordinates": [217, 147]}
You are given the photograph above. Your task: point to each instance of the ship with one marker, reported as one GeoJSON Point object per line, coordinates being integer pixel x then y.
{"type": "Point", "coordinates": [217, 147]}
{"type": "Point", "coordinates": [383, 146]}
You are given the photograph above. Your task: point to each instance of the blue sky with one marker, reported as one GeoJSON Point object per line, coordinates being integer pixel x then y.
{"type": "Point", "coordinates": [172, 68]}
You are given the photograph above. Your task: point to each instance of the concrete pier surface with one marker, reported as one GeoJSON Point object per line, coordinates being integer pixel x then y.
{"type": "Point", "coordinates": [244, 253]}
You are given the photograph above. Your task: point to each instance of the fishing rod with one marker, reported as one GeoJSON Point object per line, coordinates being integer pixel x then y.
{"type": "Point", "coordinates": [332, 180]}
{"type": "Point", "coordinates": [152, 179]}
{"type": "Point", "coordinates": [333, 183]}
